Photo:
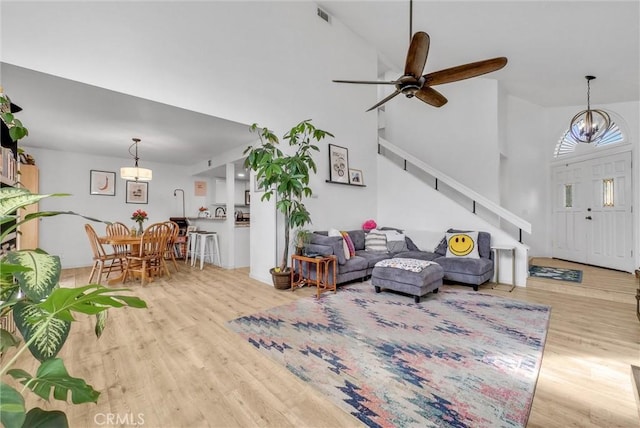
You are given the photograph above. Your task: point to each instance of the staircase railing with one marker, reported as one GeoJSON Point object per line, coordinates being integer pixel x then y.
{"type": "Point", "coordinates": [440, 177]}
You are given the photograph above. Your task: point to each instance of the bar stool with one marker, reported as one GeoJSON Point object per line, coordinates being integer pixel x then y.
{"type": "Point", "coordinates": [192, 244]}
{"type": "Point", "coordinates": [206, 245]}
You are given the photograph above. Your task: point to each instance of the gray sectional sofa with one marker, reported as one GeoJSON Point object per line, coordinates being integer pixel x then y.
{"type": "Point", "coordinates": [360, 266]}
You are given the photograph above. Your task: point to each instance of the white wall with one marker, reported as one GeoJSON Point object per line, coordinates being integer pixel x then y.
{"type": "Point", "coordinates": [407, 203]}
{"type": "Point", "coordinates": [265, 62]}
{"type": "Point", "coordinates": [63, 172]}
{"type": "Point", "coordinates": [459, 138]}
{"type": "Point", "coordinates": [525, 172]}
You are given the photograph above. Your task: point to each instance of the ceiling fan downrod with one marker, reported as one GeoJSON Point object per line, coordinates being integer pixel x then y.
{"type": "Point", "coordinates": [410, 20]}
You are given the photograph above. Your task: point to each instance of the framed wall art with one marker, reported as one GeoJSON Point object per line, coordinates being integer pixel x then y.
{"type": "Point", "coordinates": [102, 183]}
{"type": "Point", "coordinates": [137, 192]}
{"type": "Point", "coordinates": [355, 177]}
{"type": "Point", "coordinates": [338, 164]}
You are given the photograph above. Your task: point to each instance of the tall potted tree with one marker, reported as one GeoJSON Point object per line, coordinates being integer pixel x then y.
{"type": "Point", "coordinates": [286, 176]}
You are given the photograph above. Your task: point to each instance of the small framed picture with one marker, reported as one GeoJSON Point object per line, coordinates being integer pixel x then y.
{"type": "Point", "coordinates": [102, 183]}
{"type": "Point", "coordinates": [355, 177]}
{"type": "Point", "coordinates": [137, 192]}
{"type": "Point", "coordinates": [338, 164]}
{"type": "Point", "coordinates": [247, 197]}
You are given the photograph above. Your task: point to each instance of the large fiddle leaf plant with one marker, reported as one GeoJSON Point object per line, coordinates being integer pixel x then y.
{"type": "Point", "coordinates": [286, 175]}
{"type": "Point", "coordinates": [43, 313]}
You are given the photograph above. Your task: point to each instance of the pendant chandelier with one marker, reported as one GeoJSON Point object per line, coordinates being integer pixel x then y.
{"type": "Point", "coordinates": [135, 173]}
{"type": "Point", "coordinates": [590, 125]}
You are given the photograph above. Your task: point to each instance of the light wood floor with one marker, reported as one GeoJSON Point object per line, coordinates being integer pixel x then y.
{"type": "Point", "coordinates": [177, 365]}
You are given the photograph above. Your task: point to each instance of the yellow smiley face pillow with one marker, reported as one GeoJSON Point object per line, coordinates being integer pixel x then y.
{"type": "Point", "coordinates": [463, 244]}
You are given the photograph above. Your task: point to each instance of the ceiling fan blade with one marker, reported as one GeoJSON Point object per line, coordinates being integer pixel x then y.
{"type": "Point", "coordinates": [367, 82]}
{"type": "Point", "coordinates": [384, 100]}
{"type": "Point", "coordinates": [417, 54]}
{"type": "Point", "coordinates": [431, 96]}
{"type": "Point", "coordinates": [465, 71]}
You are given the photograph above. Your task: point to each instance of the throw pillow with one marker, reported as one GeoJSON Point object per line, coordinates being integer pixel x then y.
{"type": "Point", "coordinates": [345, 248]}
{"type": "Point", "coordinates": [395, 241]}
{"type": "Point", "coordinates": [463, 245]}
{"type": "Point", "coordinates": [375, 241]}
{"type": "Point", "coordinates": [441, 248]}
{"type": "Point", "coordinates": [349, 242]}
{"type": "Point", "coordinates": [411, 246]}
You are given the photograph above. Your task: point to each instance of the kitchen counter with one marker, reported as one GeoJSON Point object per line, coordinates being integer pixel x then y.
{"type": "Point", "coordinates": [237, 223]}
{"type": "Point", "coordinates": [238, 233]}
{"type": "Point", "coordinates": [207, 218]}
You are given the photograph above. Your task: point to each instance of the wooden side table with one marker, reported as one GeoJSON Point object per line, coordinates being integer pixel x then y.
{"type": "Point", "coordinates": [325, 268]}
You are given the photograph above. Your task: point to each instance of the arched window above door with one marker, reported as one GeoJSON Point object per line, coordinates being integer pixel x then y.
{"type": "Point", "coordinates": [567, 144]}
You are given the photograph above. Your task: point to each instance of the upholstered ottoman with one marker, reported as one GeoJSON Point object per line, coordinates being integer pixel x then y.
{"type": "Point", "coordinates": [411, 276]}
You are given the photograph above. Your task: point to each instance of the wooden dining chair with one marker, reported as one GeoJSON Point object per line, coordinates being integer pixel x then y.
{"type": "Point", "coordinates": [170, 253]}
{"type": "Point", "coordinates": [119, 229]}
{"type": "Point", "coordinates": [101, 259]}
{"type": "Point", "coordinates": [149, 259]}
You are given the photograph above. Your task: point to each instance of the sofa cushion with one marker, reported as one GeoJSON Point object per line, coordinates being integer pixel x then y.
{"type": "Point", "coordinates": [375, 241]}
{"type": "Point", "coordinates": [335, 242]}
{"type": "Point", "coordinates": [419, 255]}
{"type": "Point", "coordinates": [475, 267]}
{"type": "Point", "coordinates": [372, 257]}
{"type": "Point", "coordinates": [396, 242]}
{"type": "Point", "coordinates": [355, 263]}
{"type": "Point", "coordinates": [463, 245]}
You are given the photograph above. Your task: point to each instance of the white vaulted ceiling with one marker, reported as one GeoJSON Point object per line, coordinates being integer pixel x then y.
{"type": "Point", "coordinates": [551, 46]}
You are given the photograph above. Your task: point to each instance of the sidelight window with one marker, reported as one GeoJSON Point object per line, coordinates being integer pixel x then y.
{"type": "Point", "coordinates": [568, 195]}
{"type": "Point", "coordinates": [607, 192]}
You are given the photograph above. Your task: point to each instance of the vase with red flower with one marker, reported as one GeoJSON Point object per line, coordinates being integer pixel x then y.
{"type": "Point", "coordinates": [139, 216]}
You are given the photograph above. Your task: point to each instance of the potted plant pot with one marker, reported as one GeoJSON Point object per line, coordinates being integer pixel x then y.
{"type": "Point", "coordinates": [281, 280]}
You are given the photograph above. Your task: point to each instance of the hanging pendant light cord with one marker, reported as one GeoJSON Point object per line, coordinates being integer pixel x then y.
{"type": "Point", "coordinates": [135, 143]}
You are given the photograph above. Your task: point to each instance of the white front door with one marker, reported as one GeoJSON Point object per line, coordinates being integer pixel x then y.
{"type": "Point", "coordinates": [592, 212]}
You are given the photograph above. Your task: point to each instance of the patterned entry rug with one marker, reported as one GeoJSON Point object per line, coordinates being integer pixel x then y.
{"type": "Point", "coordinates": [457, 359]}
{"type": "Point", "coordinates": [561, 274]}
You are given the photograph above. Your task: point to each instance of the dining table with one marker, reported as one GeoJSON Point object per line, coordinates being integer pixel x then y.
{"type": "Point", "coordinates": [133, 242]}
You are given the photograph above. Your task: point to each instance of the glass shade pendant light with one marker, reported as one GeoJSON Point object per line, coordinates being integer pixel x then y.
{"type": "Point", "coordinates": [135, 173]}
{"type": "Point", "coordinates": [589, 125]}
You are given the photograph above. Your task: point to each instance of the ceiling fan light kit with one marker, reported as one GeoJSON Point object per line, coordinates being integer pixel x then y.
{"type": "Point", "coordinates": [135, 173]}
{"type": "Point", "coordinates": [590, 125]}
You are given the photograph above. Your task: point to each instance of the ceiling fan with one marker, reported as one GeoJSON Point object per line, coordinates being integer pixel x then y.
{"type": "Point", "coordinates": [413, 84]}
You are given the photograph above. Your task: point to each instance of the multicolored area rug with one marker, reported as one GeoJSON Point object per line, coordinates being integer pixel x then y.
{"type": "Point", "coordinates": [561, 274]}
{"type": "Point", "coordinates": [457, 359]}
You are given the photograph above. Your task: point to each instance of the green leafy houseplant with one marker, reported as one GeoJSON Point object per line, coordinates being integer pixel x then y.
{"type": "Point", "coordinates": [286, 175]}
{"type": "Point", "coordinates": [16, 130]}
{"type": "Point", "coordinates": [43, 313]}
{"type": "Point", "coordinates": [302, 238]}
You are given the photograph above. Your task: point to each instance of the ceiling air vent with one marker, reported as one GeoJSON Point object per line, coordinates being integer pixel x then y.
{"type": "Point", "coordinates": [324, 15]}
